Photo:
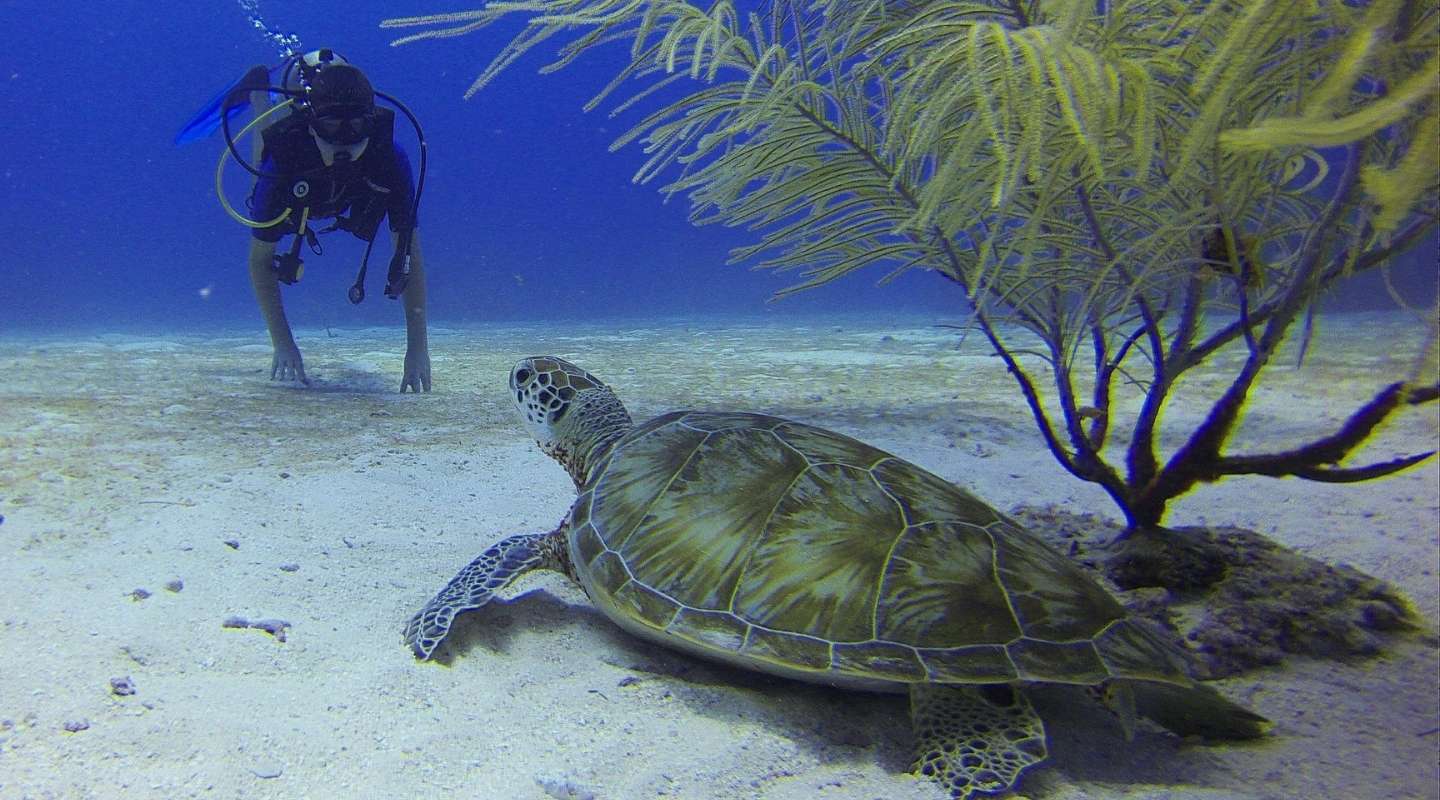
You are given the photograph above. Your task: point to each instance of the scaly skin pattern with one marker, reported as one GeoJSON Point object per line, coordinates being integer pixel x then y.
{"type": "Point", "coordinates": [478, 582]}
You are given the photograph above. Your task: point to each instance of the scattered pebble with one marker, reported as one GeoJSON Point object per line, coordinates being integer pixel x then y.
{"type": "Point", "coordinates": [267, 769]}
{"type": "Point", "coordinates": [77, 725]}
{"type": "Point", "coordinates": [233, 544]}
{"type": "Point", "coordinates": [175, 585]}
{"type": "Point", "coordinates": [174, 408]}
{"type": "Point", "coordinates": [290, 567]}
{"type": "Point", "coordinates": [274, 627]}
{"type": "Point", "coordinates": [628, 680]}
{"type": "Point", "coordinates": [122, 687]}
{"type": "Point", "coordinates": [284, 474]}
{"type": "Point", "coordinates": [139, 594]}
{"type": "Point", "coordinates": [564, 789]}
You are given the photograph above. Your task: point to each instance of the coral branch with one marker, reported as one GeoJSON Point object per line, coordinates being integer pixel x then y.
{"type": "Point", "coordinates": [1199, 459]}
{"type": "Point", "coordinates": [1358, 474]}
{"type": "Point", "coordinates": [1308, 462]}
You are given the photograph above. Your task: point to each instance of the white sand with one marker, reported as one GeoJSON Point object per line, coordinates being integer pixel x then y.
{"type": "Point", "coordinates": [125, 462]}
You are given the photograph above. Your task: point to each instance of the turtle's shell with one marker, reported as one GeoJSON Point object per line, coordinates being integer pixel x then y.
{"type": "Point", "coordinates": [787, 548]}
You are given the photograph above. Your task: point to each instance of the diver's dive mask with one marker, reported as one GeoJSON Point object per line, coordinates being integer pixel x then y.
{"type": "Point", "coordinates": [333, 153]}
{"type": "Point", "coordinates": [342, 128]}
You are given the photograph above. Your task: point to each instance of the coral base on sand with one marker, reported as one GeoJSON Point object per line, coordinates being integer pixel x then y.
{"type": "Point", "coordinates": [1238, 599]}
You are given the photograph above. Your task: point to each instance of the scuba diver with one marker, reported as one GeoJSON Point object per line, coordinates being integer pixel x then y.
{"type": "Point", "coordinates": [326, 152]}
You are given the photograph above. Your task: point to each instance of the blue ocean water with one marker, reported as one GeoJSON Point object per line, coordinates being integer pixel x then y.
{"type": "Point", "coordinates": [526, 213]}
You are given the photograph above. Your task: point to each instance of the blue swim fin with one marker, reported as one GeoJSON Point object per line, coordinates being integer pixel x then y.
{"type": "Point", "coordinates": [207, 119]}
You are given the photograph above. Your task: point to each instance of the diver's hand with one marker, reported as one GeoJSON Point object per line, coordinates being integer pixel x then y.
{"type": "Point", "coordinates": [287, 365]}
{"type": "Point", "coordinates": [417, 370]}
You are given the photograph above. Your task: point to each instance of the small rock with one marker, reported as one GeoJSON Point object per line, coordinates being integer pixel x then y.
{"type": "Point", "coordinates": [233, 544]}
{"type": "Point", "coordinates": [564, 789]}
{"type": "Point", "coordinates": [174, 408]}
{"type": "Point", "coordinates": [284, 474]}
{"type": "Point", "coordinates": [139, 594]}
{"type": "Point", "coordinates": [174, 585]}
{"type": "Point", "coordinates": [77, 725]}
{"type": "Point", "coordinates": [290, 567]}
{"type": "Point", "coordinates": [267, 770]}
{"type": "Point", "coordinates": [122, 687]}
{"type": "Point", "coordinates": [274, 627]}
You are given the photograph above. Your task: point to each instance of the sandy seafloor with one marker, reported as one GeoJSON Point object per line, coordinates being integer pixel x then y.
{"type": "Point", "coordinates": [127, 461]}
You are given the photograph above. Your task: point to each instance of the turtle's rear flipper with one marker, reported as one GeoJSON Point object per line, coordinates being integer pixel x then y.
{"type": "Point", "coordinates": [477, 584]}
{"type": "Point", "coordinates": [974, 739]}
{"type": "Point", "coordinates": [1196, 711]}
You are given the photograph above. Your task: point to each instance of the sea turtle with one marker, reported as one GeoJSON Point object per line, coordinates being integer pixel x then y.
{"type": "Point", "coordinates": [778, 546]}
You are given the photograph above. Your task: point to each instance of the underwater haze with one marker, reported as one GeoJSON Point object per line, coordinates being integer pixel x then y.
{"type": "Point", "coordinates": [225, 575]}
{"type": "Point", "coordinates": [526, 214]}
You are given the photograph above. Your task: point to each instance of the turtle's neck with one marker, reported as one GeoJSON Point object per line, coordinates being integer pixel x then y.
{"type": "Point", "coordinates": [605, 422]}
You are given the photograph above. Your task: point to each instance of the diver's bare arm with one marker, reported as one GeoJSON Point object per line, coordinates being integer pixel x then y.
{"type": "Point", "coordinates": [286, 365]}
{"type": "Point", "coordinates": [417, 345]}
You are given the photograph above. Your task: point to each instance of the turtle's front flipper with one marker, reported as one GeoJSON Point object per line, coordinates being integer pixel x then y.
{"type": "Point", "coordinates": [477, 584]}
{"type": "Point", "coordinates": [974, 739]}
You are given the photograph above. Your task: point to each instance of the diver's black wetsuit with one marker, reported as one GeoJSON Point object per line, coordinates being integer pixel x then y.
{"type": "Point", "coordinates": [377, 184]}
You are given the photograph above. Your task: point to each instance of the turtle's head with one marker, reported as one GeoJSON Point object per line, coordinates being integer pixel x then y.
{"type": "Point", "coordinates": [572, 415]}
